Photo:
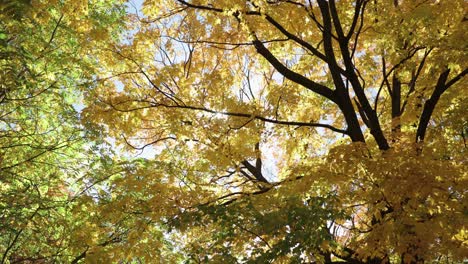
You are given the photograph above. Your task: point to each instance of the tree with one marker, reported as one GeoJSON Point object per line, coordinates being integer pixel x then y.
{"type": "Point", "coordinates": [285, 131]}
{"type": "Point", "coordinates": [295, 131]}
{"type": "Point", "coordinates": [44, 150]}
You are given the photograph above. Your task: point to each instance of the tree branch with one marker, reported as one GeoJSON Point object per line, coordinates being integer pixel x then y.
{"type": "Point", "coordinates": [252, 116]}
{"type": "Point", "coordinates": [430, 105]}
{"type": "Point", "coordinates": [371, 115]}
{"type": "Point", "coordinates": [342, 95]}
{"type": "Point", "coordinates": [291, 75]}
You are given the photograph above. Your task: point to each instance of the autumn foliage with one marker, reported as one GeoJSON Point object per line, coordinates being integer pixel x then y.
{"type": "Point", "coordinates": [233, 131]}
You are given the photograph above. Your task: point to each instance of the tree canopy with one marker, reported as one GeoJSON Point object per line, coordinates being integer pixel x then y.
{"type": "Point", "coordinates": [233, 131]}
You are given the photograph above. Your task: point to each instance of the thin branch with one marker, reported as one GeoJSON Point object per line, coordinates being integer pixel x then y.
{"type": "Point", "coordinates": [412, 84]}
{"type": "Point", "coordinates": [147, 144]}
{"type": "Point", "coordinates": [252, 116]}
{"type": "Point", "coordinates": [396, 66]}
{"type": "Point", "coordinates": [256, 235]}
